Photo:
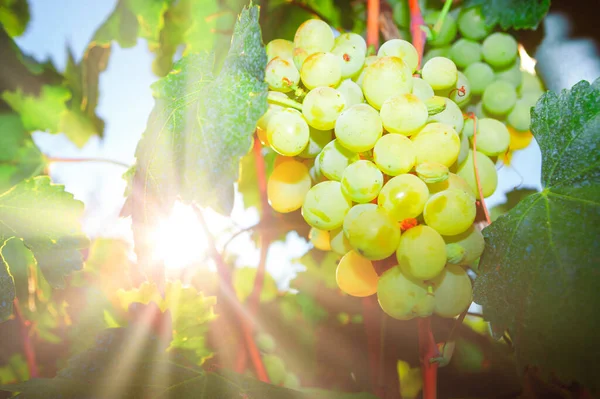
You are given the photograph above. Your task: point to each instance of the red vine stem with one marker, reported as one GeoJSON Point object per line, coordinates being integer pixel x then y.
{"type": "Point", "coordinates": [480, 190]}
{"type": "Point", "coordinates": [24, 327]}
{"type": "Point", "coordinates": [418, 34]}
{"type": "Point", "coordinates": [373, 23]}
{"type": "Point", "coordinates": [428, 351]}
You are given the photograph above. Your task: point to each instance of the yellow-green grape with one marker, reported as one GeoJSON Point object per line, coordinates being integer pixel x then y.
{"type": "Point", "coordinates": [464, 52]}
{"type": "Point", "coordinates": [325, 206]}
{"type": "Point", "coordinates": [403, 297]}
{"type": "Point", "coordinates": [401, 49]}
{"type": "Point", "coordinates": [299, 56]}
{"type": "Point", "coordinates": [362, 181]}
{"type": "Point", "coordinates": [386, 77]}
{"type": "Point", "coordinates": [351, 91]}
{"type": "Point", "coordinates": [499, 98]}
{"type": "Point", "coordinates": [275, 368]}
{"type": "Point", "coordinates": [287, 186]}
{"type": "Point", "coordinates": [314, 36]}
{"type": "Point", "coordinates": [356, 276]}
{"type": "Point", "coordinates": [404, 114]}
{"type": "Point", "coordinates": [317, 140]}
{"type": "Point", "coordinates": [403, 197]}
{"type": "Point", "coordinates": [511, 74]}
{"type": "Point", "coordinates": [453, 291]}
{"type": "Point", "coordinates": [358, 128]}
{"type": "Point", "coordinates": [463, 93]}
{"type": "Point", "coordinates": [334, 159]}
{"type": "Point", "coordinates": [453, 182]}
{"type": "Point", "coordinates": [436, 142]}
{"type": "Point", "coordinates": [265, 342]}
{"type": "Point", "coordinates": [394, 154]}
{"type": "Point", "coordinates": [371, 231]}
{"type": "Point", "coordinates": [471, 24]}
{"type": "Point", "coordinates": [488, 176]}
{"type": "Point", "coordinates": [353, 39]}
{"type": "Point", "coordinates": [455, 254]}
{"type": "Point", "coordinates": [370, 60]}
{"type": "Point", "coordinates": [530, 84]}
{"type": "Point", "coordinates": [263, 122]}
{"type": "Point", "coordinates": [291, 381]}
{"type": "Point", "coordinates": [452, 116]}
{"type": "Point", "coordinates": [499, 49]}
{"type": "Point", "coordinates": [492, 137]}
{"type": "Point", "coordinates": [322, 106]}
{"type": "Point", "coordinates": [338, 242]}
{"type": "Point", "coordinates": [320, 239]}
{"type": "Point", "coordinates": [479, 75]}
{"type": "Point", "coordinates": [422, 89]}
{"type": "Point", "coordinates": [315, 172]}
{"type": "Point", "coordinates": [471, 241]}
{"type": "Point", "coordinates": [288, 132]}
{"type": "Point", "coordinates": [321, 69]}
{"type": "Point", "coordinates": [520, 116]}
{"type": "Point", "coordinates": [440, 73]}
{"type": "Point", "coordinates": [432, 172]}
{"type": "Point", "coordinates": [351, 49]}
{"type": "Point", "coordinates": [281, 75]}
{"type": "Point", "coordinates": [421, 253]}
{"type": "Point", "coordinates": [450, 212]}
{"type": "Point", "coordinates": [280, 48]}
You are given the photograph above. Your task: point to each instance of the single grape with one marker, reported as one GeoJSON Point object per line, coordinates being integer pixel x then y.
{"type": "Point", "coordinates": [287, 186]}
{"type": "Point", "coordinates": [358, 128]}
{"type": "Point", "coordinates": [453, 291]}
{"type": "Point", "coordinates": [291, 381]}
{"type": "Point", "coordinates": [499, 49]}
{"type": "Point", "coordinates": [321, 69]}
{"type": "Point", "coordinates": [317, 140]}
{"type": "Point", "coordinates": [465, 52]}
{"type": "Point", "coordinates": [288, 132]}
{"type": "Point", "coordinates": [499, 98]}
{"type": "Point", "coordinates": [281, 75]}
{"type": "Point", "coordinates": [351, 58]}
{"type": "Point", "coordinates": [403, 297]}
{"type": "Point", "coordinates": [386, 77]}
{"type": "Point", "coordinates": [265, 342]}
{"type": "Point", "coordinates": [422, 89]}
{"type": "Point", "coordinates": [404, 114]}
{"type": "Point", "coordinates": [448, 31]}
{"type": "Point", "coordinates": [371, 231]}
{"type": "Point", "coordinates": [421, 253]}
{"type": "Point", "coordinates": [325, 206]}
{"type": "Point", "coordinates": [394, 154]}
{"type": "Point", "coordinates": [356, 276]}
{"type": "Point", "coordinates": [338, 242]}
{"type": "Point", "coordinates": [352, 92]}
{"type": "Point", "coordinates": [436, 142]}
{"type": "Point", "coordinates": [520, 116]}
{"type": "Point", "coordinates": [314, 36]}
{"type": "Point", "coordinates": [487, 174]}
{"type": "Point", "coordinates": [462, 93]}
{"type": "Point", "coordinates": [362, 181]}
{"type": "Point", "coordinates": [320, 239]}
{"type": "Point", "coordinates": [450, 212]}
{"type": "Point", "coordinates": [334, 159]}
{"type": "Point", "coordinates": [315, 172]}
{"type": "Point", "coordinates": [436, 52]}
{"type": "Point", "coordinates": [275, 368]}
{"type": "Point", "coordinates": [471, 241]}
{"type": "Point", "coordinates": [511, 74]}
{"type": "Point", "coordinates": [281, 48]}
{"type": "Point", "coordinates": [401, 49]}
{"type": "Point", "coordinates": [322, 106]}
{"type": "Point", "coordinates": [353, 39]}
{"type": "Point", "coordinates": [440, 73]}
{"type": "Point", "coordinates": [452, 116]}
{"type": "Point", "coordinates": [263, 122]}
{"type": "Point", "coordinates": [480, 75]}
{"type": "Point", "coordinates": [530, 84]}
{"type": "Point", "coordinates": [471, 24]}
{"type": "Point", "coordinates": [432, 172]}
{"type": "Point", "coordinates": [465, 145]}
{"type": "Point", "coordinates": [403, 197]}
{"type": "Point", "coordinates": [492, 137]}
{"type": "Point", "coordinates": [453, 182]}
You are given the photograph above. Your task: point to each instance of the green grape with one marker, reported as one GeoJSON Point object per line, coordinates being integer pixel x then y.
{"type": "Point", "coordinates": [488, 176]}
{"type": "Point", "coordinates": [315, 172]}
{"type": "Point", "coordinates": [499, 98]}
{"type": "Point", "coordinates": [338, 242]}
{"type": "Point", "coordinates": [471, 241]}
{"type": "Point", "coordinates": [314, 36]}
{"type": "Point", "coordinates": [321, 69]}
{"type": "Point", "coordinates": [471, 24]}
{"type": "Point", "coordinates": [317, 140]}
{"type": "Point", "coordinates": [362, 181]}
{"type": "Point", "coordinates": [334, 159]}
{"type": "Point", "coordinates": [465, 52]}
{"type": "Point", "coordinates": [371, 231]}
{"type": "Point", "coordinates": [356, 276]}
{"type": "Point", "coordinates": [422, 89]}
{"type": "Point", "coordinates": [462, 94]}
{"type": "Point", "coordinates": [446, 34]}
{"type": "Point", "coordinates": [291, 381]}
{"type": "Point", "coordinates": [511, 74]}
{"type": "Point", "coordinates": [275, 368]}
{"type": "Point", "coordinates": [453, 291]}
{"type": "Point", "coordinates": [351, 57]}
{"type": "Point", "coordinates": [281, 48]}
{"type": "Point", "coordinates": [454, 182]}
{"type": "Point", "coordinates": [370, 60]}
{"type": "Point", "coordinates": [401, 49]}
{"type": "Point", "coordinates": [440, 73]}
{"type": "Point", "coordinates": [403, 297]}
{"type": "Point", "coordinates": [531, 98]}
{"type": "Point", "coordinates": [325, 206]}
{"type": "Point", "coordinates": [451, 116]}
{"type": "Point", "coordinates": [404, 114]}
{"type": "Point", "coordinates": [530, 84]}
{"type": "Point", "coordinates": [436, 52]}
{"type": "Point", "coordinates": [499, 49]}
{"type": "Point", "coordinates": [263, 122]}
{"type": "Point", "coordinates": [520, 116]}
{"type": "Point", "coordinates": [465, 145]}
{"type": "Point", "coordinates": [432, 172]}
{"type": "Point", "coordinates": [320, 239]}
{"type": "Point", "coordinates": [265, 342]}
{"type": "Point", "coordinates": [403, 197]}
{"type": "Point", "coordinates": [287, 186]}
{"type": "Point", "coordinates": [322, 106]}
{"type": "Point", "coordinates": [450, 212]}
{"type": "Point", "coordinates": [492, 137]}
{"type": "Point", "coordinates": [299, 56]}
{"type": "Point", "coordinates": [436, 142]}
{"type": "Point", "coordinates": [281, 75]}
{"type": "Point", "coordinates": [352, 92]}
{"type": "Point", "coordinates": [288, 132]}
{"type": "Point", "coordinates": [455, 253]}
{"type": "Point", "coordinates": [386, 77]}
{"type": "Point", "coordinates": [358, 128]}
{"type": "Point", "coordinates": [394, 154]}
{"type": "Point", "coordinates": [480, 75]}
{"type": "Point", "coordinates": [353, 39]}
{"type": "Point", "coordinates": [421, 253]}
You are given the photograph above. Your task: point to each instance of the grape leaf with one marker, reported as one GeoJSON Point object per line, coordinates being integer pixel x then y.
{"type": "Point", "coordinates": [517, 14]}
{"type": "Point", "coordinates": [14, 16]}
{"type": "Point", "coordinates": [512, 199]}
{"type": "Point", "coordinates": [7, 290]}
{"type": "Point", "coordinates": [43, 112]}
{"type": "Point", "coordinates": [539, 275]}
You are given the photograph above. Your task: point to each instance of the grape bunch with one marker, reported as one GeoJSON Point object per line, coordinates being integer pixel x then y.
{"type": "Point", "coordinates": [377, 155]}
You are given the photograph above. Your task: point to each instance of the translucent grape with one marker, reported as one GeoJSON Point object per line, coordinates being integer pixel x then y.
{"type": "Point", "coordinates": [404, 114]}
{"type": "Point", "coordinates": [371, 231]}
{"type": "Point", "coordinates": [520, 116]}
{"type": "Point", "coordinates": [325, 206]}
{"type": "Point", "coordinates": [362, 181]}
{"type": "Point", "coordinates": [351, 57]}
{"type": "Point", "coordinates": [492, 137]}
{"type": "Point", "coordinates": [462, 93]}
{"type": "Point", "coordinates": [263, 122]}
{"type": "Point", "coordinates": [453, 182]}
{"type": "Point", "coordinates": [432, 172]}
{"type": "Point", "coordinates": [401, 49]}
{"type": "Point", "coordinates": [320, 239]}
{"type": "Point", "coordinates": [436, 142]}
{"type": "Point", "coordinates": [353, 39]}
{"type": "Point", "coordinates": [281, 48]}
{"type": "Point", "coordinates": [471, 241]}
{"type": "Point", "coordinates": [448, 31]}
{"type": "Point", "coordinates": [422, 89]}
{"type": "Point", "coordinates": [352, 92]}
{"type": "Point", "coordinates": [338, 242]}
{"type": "Point", "coordinates": [317, 140]}
{"type": "Point", "coordinates": [403, 297]}
{"type": "Point", "coordinates": [394, 154]}
{"type": "Point", "coordinates": [321, 69]}
{"type": "Point", "coordinates": [471, 24]}
{"type": "Point", "coordinates": [453, 291]}
{"type": "Point", "coordinates": [464, 52]}
{"type": "Point", "coordinates": [386, 77]}
{"type": "Point", "coordinates": [287, 186]}
{"type": "Point", "coordinates": [314, 36]}
{"type": "Point", "coordinates": [322, 106]}
{"type": "Point", "coordinates": [440, 73]}
{"type": "Point", "coordinates": [487, 174]}
{"type": "Point", "coordinates": [403, 197]}
{"type": "Point", "coordinates": [421, 253]}
{"type": "Point", "coordinates": [275, 368]}
{"type": "Point", "coordinates": [281, 75]}
{"type": "Point", "coordinates": [358, 128]}
{"type": "Point", "coordinates": [511, 74]}
{"type": "Point", "coordinates": [334, 159]}
{"type": "Point", "coordinates": [499, 49]}
{"type": "Point", "coordinates": [452, 116]}
{"type": "Point", "coordinates": [480, 75]}
{"type": "Point", "coordinates": [499, 97]}
{"type": "Point", "coordinates": [356, 276]}
{"type": "Point", "coordinates": [288, 132]}
{"type": "Point", "coordinates": [450, 212]}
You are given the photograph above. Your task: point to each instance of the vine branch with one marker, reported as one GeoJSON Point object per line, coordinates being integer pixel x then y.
{"type": "Point", "coordinates": [373, 23]}
{"type": "Point", "coordinates": [428, 352]}
{"type": "Point", "coordinates": [24, 328]}
{"type": "Point", "coordinates": [418, 34]}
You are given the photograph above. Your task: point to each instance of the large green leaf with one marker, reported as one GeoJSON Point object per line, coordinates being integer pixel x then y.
{"type": "Point", "coordinates": [517, 14]}
{"type": "Point", "coordinates": [14, 16]}
{"type": "Point", "coordinates": [7, 290]}
{"type": "Point", "coordinates": [540, 273]}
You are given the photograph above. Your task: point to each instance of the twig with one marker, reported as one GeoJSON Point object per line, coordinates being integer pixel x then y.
{"type": "Point", "coordinates": [479, 188]}
{"type": "Point", "coordinates": [428, 351]}
{"type": "Point", "coordinates": [373, 23]}
{"type": "Point", "coordinates": [79, 160]}
{"type": "Point", "coordinates": [418, 34]}
{"type": "Point", "coordinates": [24, 327]}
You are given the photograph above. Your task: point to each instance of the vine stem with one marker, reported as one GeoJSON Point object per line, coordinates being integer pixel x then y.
{"type": "Point", "coordinates": [286, 102]}
{"type": "Point", "coordinates": [416, 22]}
{"type": "Point", "coordinates": [428, 351]}
{"type": "Point", "coordinates": [373, 7]}
{"type": "Point", "coordinates": [479, 188]}
{"type": "Point", "coordinates": [24, 327]}
{"type": "Point", "coordinates": [80, 160]}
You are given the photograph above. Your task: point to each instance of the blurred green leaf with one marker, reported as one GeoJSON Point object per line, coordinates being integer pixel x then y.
{"type": "Point", "coordinates": [14, 16]}
{"type": "Point", "coordinates": [7, 290]}
{"type": "Point", "coordinates": [15, 370]}
{"type": "Point", "coordinates": [40, 113]}
{"type": "Point", "coordinates": [243, 283]}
